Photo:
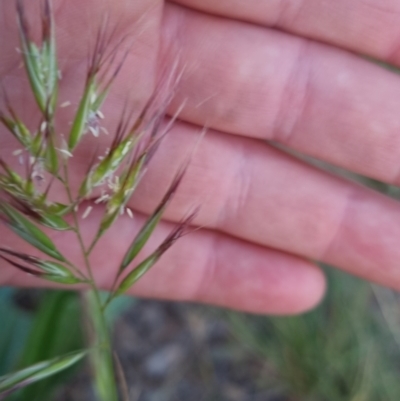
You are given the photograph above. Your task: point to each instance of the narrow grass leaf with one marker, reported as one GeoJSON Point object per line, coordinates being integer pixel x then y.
{"type": "Point", "coordinates": [123, 385]}
{"type": "Point", "coordinates": [115, 158]}
{"type": "Point", "coordinates": [14, 177]}
{"type": "Point", "coordinates": [180, 230]}
{"type": "Point", "coordinates": [37, 372]}
{"type": "Point", "coordinates": [62, 280]}
{"type": "Point", "coordinates": [141, 238]}
{"type": "Point", "coordinates": [107, 221]}
{"type": "Point", "coordinates": [38, 211]}
{"type": "Point", "coordinates": [37, 144]}
{"type": "Point", "coordinates": [95, 106]}
{"type": "Point", "coordinates": [107, 166]}
{"type": "Point", "coordinates": [29, 232]}
{"type": "Point", "coordinates": [49, 55]}
{"type": "Point", "coordinates": [55, 315]}
{"type": "Point", "coordinates": [59, 209]}
{"type": "Point", "coordinates": [45, 269]}
{"type": "Point", "coordinates": [31, 57]}
{"type": "Point", "coordinates": [121, 197]}
{"type": "Point", "coordinates": [36, 84]}
{"type": "Point", "coordinates": [8, 186]}
{"type": "Point", "coordinates": [23, 268]}
{"type": "Point", "coordinates": [22, 133]}
{"type": "Point", "coordinates": [79, 125]}
{"type": "Point", "coordinates": [137, 273]}
{"type": "Point", "coordinates": [32, 239]}
{"type": "Point", "coordinates": [40, 62]}
{"type": "Point", "coordinates": [55, 269]}
{"type": "Point", "coordinates": [51, 156]}
{"type": "Point", "coordinates": [53, 221]}
{"type": "Point", "coordinates": [55, 278]}
{"type": "Point", "coordinates": [130, 181]}
{"type": "Point", "coordinates": [18, 129]}
{"type": "Point", "coordinates": [30, 186]}
{"type": "Point", "coordinates": [148, 228]}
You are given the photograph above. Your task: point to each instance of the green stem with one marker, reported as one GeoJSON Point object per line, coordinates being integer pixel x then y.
{"type": "Point", "coordinates": [93, 244]}
{"type": "Point", "coordinates": [102, 357]}
{"type": "Point", "coordinates": [107, 302]}
{"type": "Point", "coordinates": [77, 229]}
{"type": "Point", "coordinates": [77, 271]}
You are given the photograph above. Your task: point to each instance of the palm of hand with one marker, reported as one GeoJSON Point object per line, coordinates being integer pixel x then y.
{"type": "Point", "coordinates": [266, 214]}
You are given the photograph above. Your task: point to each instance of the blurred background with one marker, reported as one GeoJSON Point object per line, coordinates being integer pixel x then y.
{"type": "Point", "coordinates": [347, 349]}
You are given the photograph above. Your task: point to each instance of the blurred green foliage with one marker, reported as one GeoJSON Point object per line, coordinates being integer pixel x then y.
{"type": "Point", "coordinates": [52, 327]}
{"type": "Point", "coordinates": [14, 327]}
{"type": "Point", "coordinates": [29, 337]}
{"type": "Point", "coordinates": [344, 350]}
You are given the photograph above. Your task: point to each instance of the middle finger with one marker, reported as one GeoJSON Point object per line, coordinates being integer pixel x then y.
{"type": "Point", "coordinates": [254, 192]}
{"type": "Point", "coordinates": [258, 82]}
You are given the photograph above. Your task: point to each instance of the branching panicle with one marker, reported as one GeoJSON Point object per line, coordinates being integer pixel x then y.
{"type": "Point", "coordinates": [26, 204]}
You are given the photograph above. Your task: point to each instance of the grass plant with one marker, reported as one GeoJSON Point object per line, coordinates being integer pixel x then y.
{"type": "Point", "coordinates": [339, 352]}
{"type": "Point", "coordinates": [27, 207]}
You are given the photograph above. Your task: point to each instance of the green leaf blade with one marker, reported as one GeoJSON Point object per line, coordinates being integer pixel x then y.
{"type": "Point", "coordinates": [137, 273]}
{"type": "Point", "coordinates": [141, 238]}
{"type": "Point", "coordinates": [81, 117]}
{"type": "Point", "coordinates": [55, 269]}
{"type": "Point", "coordinates": [36, 83]}
{"type": "Point", "coordinates": [18, 129]}
{"type": "Point", "coordinates": [54, 332]}
{"type": "Point", "coordinates": [62, 280]}
{"type": "Point", "coordinates": [29, 232]}
{"type": "Point", "coordinates": [51, 156]}
{"type": "Point", "coordinates": [54, 222]}
{"type": "Point", "coordinates": [37, 372]}
{"type": "Point", "coordinates": [150, 225]}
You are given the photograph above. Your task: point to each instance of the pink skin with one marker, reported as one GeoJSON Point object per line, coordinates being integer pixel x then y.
{"type": "Point", "coordinates": [267, 215]}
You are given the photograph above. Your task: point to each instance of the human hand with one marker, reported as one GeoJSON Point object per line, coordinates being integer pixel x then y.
{"type": "Point", "coordinates": [267, 215]}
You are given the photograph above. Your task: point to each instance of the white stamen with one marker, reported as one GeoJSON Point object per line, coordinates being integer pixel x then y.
{"type": "Point", "coordinates": [64, 148]}
{"type": "Point", "coordinates": [129, 212]}
{"type": "Point", "coordinates": [65, 104]}
{"type": "Point", "coordinates": [102, 198]}
{"type": "Point", "coordinates": [17, 152]}
{"type": "Point", "coordinates": [100, 114]}
{"type": "Point", "coordinates": [43, 126]}
{"type": "Point", "coordinates": [66, 153]}
{"type": "Point", "coordinates": [122, 210]}
{"type": "Point", "coordinates": [104, 130]}
{"type": "Point", "coordinates": [94, 131]}
{"type": "Point", "coordinates": [76, 208]}
{"type": "Point", "coordinates": [113, 186]}
{"type": "Point", "coordinates": [87, 212]}
{"type": "Point", "coordinates": [59, 74]}
{"type": "Point", "coordinates": [126, 148]}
